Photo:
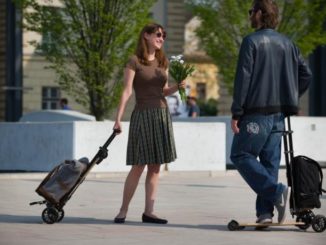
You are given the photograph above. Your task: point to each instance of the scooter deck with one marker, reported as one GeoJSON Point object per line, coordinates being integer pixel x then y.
{"type": "Point", "coordinates": [234, 225]}
{"type": "Point", "coordinates": [270, 224]}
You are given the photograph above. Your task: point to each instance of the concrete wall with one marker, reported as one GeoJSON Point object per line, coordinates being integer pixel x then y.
{"type": "Point", "coordinates": [35, 146]}
{"type": "Point", "coordinates": [41, 146]}
{"type": "Point", "coordinates": [220, 119]}
{"type": "Point", "coordinates": [202, 143]}
{"type": "Point", "coordinates": [309, 136]}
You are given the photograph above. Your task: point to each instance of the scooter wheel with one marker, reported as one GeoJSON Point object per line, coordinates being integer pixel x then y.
{"type": "Point", "coordinates": [50, 215]}
{"type": "Point", "coordinates": [233, 225]}
{"type": "Point", "coordinates": [319, 223]}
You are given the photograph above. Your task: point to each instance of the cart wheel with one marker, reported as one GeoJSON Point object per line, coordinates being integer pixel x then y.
{"type": "Point", "coordinates": [234, 225]}
{"type": "Point", "coordinates": [319, 223]}
{"type": "Point", "coordinates": [61, 215]}
{"type": "Point", "coordinates": [50, 215]}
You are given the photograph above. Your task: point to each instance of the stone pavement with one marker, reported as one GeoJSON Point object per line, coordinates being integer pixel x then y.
{"type": "Point", "coordinates": [198, 205]}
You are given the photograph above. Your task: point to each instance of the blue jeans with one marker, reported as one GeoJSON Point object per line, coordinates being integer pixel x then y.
{"type": "Point", "coordinates": [257, 139]}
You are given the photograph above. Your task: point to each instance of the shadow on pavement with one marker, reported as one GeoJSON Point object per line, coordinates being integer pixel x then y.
{"type": "Point", "coordinates": [23, 219]}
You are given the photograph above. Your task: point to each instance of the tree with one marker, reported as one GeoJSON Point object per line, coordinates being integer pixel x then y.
{"type": "Point", "coordinates": [87, 44]}
{"type": "Point", "coordinates": [225, 22]}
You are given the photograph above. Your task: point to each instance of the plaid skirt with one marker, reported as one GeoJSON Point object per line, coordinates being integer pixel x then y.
{"type": "Point", "coordinates": [151, 139]}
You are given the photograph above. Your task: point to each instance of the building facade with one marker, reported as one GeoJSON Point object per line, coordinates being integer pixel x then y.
{"type": "Point", "coordinates": [40, 91]}
{"type": "Point", "coordinates": [26, 86]}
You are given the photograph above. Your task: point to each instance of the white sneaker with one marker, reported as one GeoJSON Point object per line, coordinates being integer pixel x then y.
{"type": "Point", "coordinates": [280, 205]}
{"type": "Point", "coordinates": [264, 219]}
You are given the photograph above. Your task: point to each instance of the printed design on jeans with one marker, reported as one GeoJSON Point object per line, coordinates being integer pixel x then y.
{"type": "Point", "coordinates": [252, 128]}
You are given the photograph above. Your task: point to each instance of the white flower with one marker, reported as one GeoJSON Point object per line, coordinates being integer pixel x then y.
{"type": "Point", "coordinates": [176, 58]}
{"type": "Point", "coordinates": [181, 61]}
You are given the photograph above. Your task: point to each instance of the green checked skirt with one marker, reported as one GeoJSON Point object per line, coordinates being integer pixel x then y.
{"type": "Point", "coordinates": [151, 139]}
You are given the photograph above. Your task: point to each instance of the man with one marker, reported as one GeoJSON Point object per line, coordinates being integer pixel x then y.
{"type": "Point", "coordinates": [271, 75]}
{"type": "Point", "coordinates": [173, 104]}
{"type": "Point", "coordinates": [194, 110]}
{"type": "Point", "coordinates": [64, 104]}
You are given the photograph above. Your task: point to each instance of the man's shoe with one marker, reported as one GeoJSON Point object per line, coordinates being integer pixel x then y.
{"type": "Point", "coordinates": [280, 205]}
{"type": "Point", "coordinates": [148, 219]}
{"type": "Point", "coordinates": [264, 219]}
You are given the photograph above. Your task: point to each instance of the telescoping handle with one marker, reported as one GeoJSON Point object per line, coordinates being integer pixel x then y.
{"type": "Point", "coordinates": [288, 151]}
{"type": "Point", "coordinates": [103, 151]}
{"type": "Point", "coordinates": [110, 139]}
{"type": "Point", "coordinates": [289, 144]}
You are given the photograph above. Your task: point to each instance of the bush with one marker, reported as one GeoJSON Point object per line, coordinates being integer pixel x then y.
{"type": "Point", "coordinates": [208, 108]}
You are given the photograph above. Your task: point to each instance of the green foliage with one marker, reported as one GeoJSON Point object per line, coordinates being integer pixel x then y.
{"type": "Point", "coordinates": [88, 43]}
{"type": "Point", "coordinates": [208, 108]}
{"type": "Point", "coordinates": [225, 22]}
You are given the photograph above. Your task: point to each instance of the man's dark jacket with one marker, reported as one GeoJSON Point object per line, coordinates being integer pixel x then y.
{"type": "Point", "coordinates": [271, 75]}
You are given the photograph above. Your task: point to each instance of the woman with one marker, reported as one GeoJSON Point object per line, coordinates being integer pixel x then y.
{"type": "Point", "coordinates": [151, 140]}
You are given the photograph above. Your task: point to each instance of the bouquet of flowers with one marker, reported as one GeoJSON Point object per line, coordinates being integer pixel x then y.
{"type": "Point", "coordinates": [180, 71]}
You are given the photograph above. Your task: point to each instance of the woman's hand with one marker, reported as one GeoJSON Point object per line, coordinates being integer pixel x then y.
{"type": "Point", "coordinates": [182, 84]}
{"type": "Point", "coordinates": [167, 90]}
{"type": "Point", "coordinates": [117, 127]}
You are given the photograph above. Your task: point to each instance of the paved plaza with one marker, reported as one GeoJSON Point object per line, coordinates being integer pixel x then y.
{"type": "Point", "coordinates": [198, 205]}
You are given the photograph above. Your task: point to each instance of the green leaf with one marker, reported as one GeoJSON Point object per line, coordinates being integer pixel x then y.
{"type": "Point", "coordinates": [225, 22]}
{"type": "Point", "coordinates": [88, 44]}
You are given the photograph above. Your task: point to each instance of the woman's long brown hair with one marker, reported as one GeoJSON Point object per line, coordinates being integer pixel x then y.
{"type": "Point", "coordinates": [142, 49]}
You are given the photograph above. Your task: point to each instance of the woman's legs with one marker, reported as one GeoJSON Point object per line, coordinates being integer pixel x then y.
{"type": "Point", "coordinates": [153, 171]}
{"type": "Point", "coordinates": [130, 188]}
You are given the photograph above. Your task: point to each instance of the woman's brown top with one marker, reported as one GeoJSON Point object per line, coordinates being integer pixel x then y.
{"type": "Point", "coordinates": [148, 84]}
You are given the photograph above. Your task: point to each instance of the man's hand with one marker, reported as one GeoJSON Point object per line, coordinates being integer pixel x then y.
{"type": "Point", "coordinates": [234, 126]}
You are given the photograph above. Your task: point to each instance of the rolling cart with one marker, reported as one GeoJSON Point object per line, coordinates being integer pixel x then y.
{"type": "Point", "coordinates": [54, 209]}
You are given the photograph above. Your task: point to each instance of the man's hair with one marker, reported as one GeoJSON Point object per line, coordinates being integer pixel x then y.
{"type": "Point", "coordinates": [64, 101]}
{"type": "Point", "coordinates": [269, 11]}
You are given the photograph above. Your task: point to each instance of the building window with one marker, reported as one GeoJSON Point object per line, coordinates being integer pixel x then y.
{"type": "Point", "coordinates": [50, 98]}
{"type": "Point", "coordinates": [201, 91]}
